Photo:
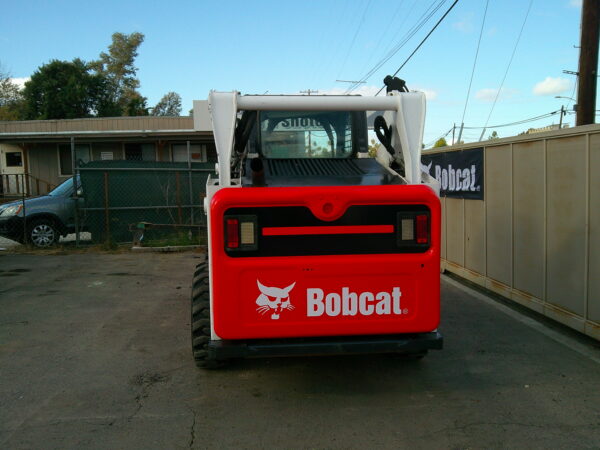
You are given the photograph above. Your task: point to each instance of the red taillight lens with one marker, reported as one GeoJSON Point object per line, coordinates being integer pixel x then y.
{"type": "Point", "coordinates": [232, 227]}
{"type": "Point", "coordinates": [422, 229]}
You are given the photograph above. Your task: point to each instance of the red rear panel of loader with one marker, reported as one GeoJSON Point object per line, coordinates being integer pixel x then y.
{"type": "Point", "coordinates": [324, 261]}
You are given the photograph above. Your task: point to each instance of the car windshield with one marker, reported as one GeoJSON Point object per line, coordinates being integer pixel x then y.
{"type": "Point", "coordinates": [64, 189]}
{"type": "Point", "coordinates": [305, 134]}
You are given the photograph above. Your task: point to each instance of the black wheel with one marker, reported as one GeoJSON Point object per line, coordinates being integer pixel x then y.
{"type": "Point", "coordinates": [42, 233]}
{"type": "Point", "coordinates": [200, 322]}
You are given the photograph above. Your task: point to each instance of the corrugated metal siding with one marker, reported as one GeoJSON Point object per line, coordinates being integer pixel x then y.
{"type": "Point", "coordinates": [594, 231]}
{"type": "Point", "coordinates": [101, 124]}
{"type": "Point", "coordinates": [538, 228]}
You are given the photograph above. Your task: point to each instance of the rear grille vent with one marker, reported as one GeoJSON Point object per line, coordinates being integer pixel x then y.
{"type": "Point", "coordinates": [308, 167]}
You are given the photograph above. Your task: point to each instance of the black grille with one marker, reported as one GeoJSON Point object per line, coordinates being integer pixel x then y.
{"type": "Point", "coordinates": [308, 167]}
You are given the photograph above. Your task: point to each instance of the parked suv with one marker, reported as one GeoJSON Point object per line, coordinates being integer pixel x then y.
{"type": "Point", "coordinates": [41, 220]}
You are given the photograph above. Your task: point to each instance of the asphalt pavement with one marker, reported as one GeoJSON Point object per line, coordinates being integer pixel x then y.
{"type": "Point", "coordinates": [95, 353]}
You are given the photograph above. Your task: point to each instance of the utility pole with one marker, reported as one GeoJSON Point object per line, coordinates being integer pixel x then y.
{"type": "Point", "coordinates": [309, 91]}
{"type": "Point", "coordinates": [588, 62]}
{"type": "Point", "coordinates": [562, 113]}
{"type": "Point", "coordinates": [462, 125]}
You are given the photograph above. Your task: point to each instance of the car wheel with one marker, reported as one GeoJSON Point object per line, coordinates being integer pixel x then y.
{"type": "Point", "coordinates": [42, 233]}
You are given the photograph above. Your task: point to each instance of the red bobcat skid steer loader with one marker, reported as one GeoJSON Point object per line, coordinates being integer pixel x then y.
{"type": "Point", "coordinates": [314, 247]}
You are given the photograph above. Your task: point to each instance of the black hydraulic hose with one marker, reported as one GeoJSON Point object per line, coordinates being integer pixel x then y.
{"type": "Point", "coordinates": [243, 130]}
{"type": "Point", "coordinates": [384, 134]}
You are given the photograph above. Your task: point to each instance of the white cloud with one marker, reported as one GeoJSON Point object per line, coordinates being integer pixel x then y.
{"type": "Point", "coordinates": [489, 94]}
{"type": "Point", "coordinates": [552, 86]}
{"type": "Point", "coordinates": [20, 81]}
{"type": "Point", "coordinates": [486, 95]}
{"type": "Point", "coordinates": [575, 3]}
{"type": "Point", "coordinates": [465, 24]}
{"type": "Point", "coordinates": [430, 94]}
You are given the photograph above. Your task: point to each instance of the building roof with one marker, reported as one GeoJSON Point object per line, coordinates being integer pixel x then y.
{"type": "Point", "coordinates": [145, 126]}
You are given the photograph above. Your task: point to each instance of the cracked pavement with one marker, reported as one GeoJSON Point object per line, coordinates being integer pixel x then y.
{"type": "Point", "coordinates": [95, 353]}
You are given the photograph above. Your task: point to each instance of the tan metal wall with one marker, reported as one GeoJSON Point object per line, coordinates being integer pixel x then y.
{"type": "Point", "coordinates": [535, 238]}
{"type": "Point", "coordinates": [98, 124]}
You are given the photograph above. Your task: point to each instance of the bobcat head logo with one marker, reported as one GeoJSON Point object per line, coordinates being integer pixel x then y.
{"type": "Point", "coordinates": [426, 167]}
{"type": "Point", "coordinates": [273, 299]}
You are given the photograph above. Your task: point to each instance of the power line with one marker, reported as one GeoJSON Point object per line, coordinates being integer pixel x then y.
{"type": "Point", "coordinates": [360, 24]}
{"type": "Point", "coordinates": [409, 34]}
{"type": "Point", "coordinates": [518, 122]}
{"type": "Point", "coordinates": [335, 45]}
{"type": "Point", "coordinates": [393, 42]}
{"type": "Point", "coordinates": [423, 41]}
{"type": "Point", "coordinates": [404, 40]}
{"type": "Point", "coordinates": [437, 139]}
{"type": "Point", "coordinates": [324, 31]}
{"type": "Point", "coordinates": [508, 66]}
{"type": "Point", "coordinates": [393, 17]}
{"type": "Point", "coordinates": [462, 121]}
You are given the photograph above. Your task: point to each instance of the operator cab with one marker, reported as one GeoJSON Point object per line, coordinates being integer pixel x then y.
{"type": "Point", "coordinates": [307, 148]}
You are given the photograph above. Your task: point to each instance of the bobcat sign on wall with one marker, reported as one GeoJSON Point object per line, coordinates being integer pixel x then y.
{"type": "Point", "coordinates": [460, 173]}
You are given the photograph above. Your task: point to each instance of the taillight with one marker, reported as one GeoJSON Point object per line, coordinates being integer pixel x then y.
{"type": "Point", "coordinates": [241, 233]}
{"type": "Point", "coordinates": [233, 233]}
{"type": "Point", "coordinates": [422, 229]}
{"type": "Point", "coordinates": [413, 230]}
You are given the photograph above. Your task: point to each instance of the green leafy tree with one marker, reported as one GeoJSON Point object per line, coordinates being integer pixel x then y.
{"type": "Point", "coordinates": [135, 104]}
{"type": "Point", "coordinates": [373, 146]}
{"type": "Point", "coordinates": [169, 105]}
{"type": "Point", "coordinates": [493, 136]}
{"type": "Point", "coordinates": [117, 65]}
{"type": "Point", "coordinates": [65, 90]}
{"type": "Point", "coordinates": [11, 99]}
{"type": "Point", "coordinates": [441, 142]}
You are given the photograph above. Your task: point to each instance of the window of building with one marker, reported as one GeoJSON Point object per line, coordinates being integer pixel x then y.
{"type": "Point", "coordinates": [140, 152]}
{"type": "Point", "coordinates": [197, 152]}
{"type": "Point", "coordinates": [82, 156]}
{"type": "Point", "coordinates": [14, 159]}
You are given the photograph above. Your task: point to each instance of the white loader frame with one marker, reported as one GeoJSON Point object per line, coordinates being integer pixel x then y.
{"type": "Point", "coordinates": [404, 111]}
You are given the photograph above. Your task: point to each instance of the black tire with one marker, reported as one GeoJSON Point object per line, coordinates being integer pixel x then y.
{"type": "Point", "coordinates": [200, 321]}
{"type": "Point", "coordinates": [42, 233]}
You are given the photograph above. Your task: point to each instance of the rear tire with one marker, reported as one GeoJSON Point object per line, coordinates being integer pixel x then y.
{"type": "Point", "coordinates": [200, 319]}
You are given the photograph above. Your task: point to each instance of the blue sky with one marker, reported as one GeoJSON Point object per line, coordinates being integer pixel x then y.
{"type": "Point", "coordinates": [285, 47]}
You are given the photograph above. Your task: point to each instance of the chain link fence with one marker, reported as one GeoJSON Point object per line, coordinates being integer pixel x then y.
{"type": "Point", "coordinates": [108, 202]}
{"type": "Point", "coordinates": [141, 201]}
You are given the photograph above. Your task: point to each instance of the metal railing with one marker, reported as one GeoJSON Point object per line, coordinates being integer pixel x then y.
{"type": "Point", "coordinates": [14, 186]}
